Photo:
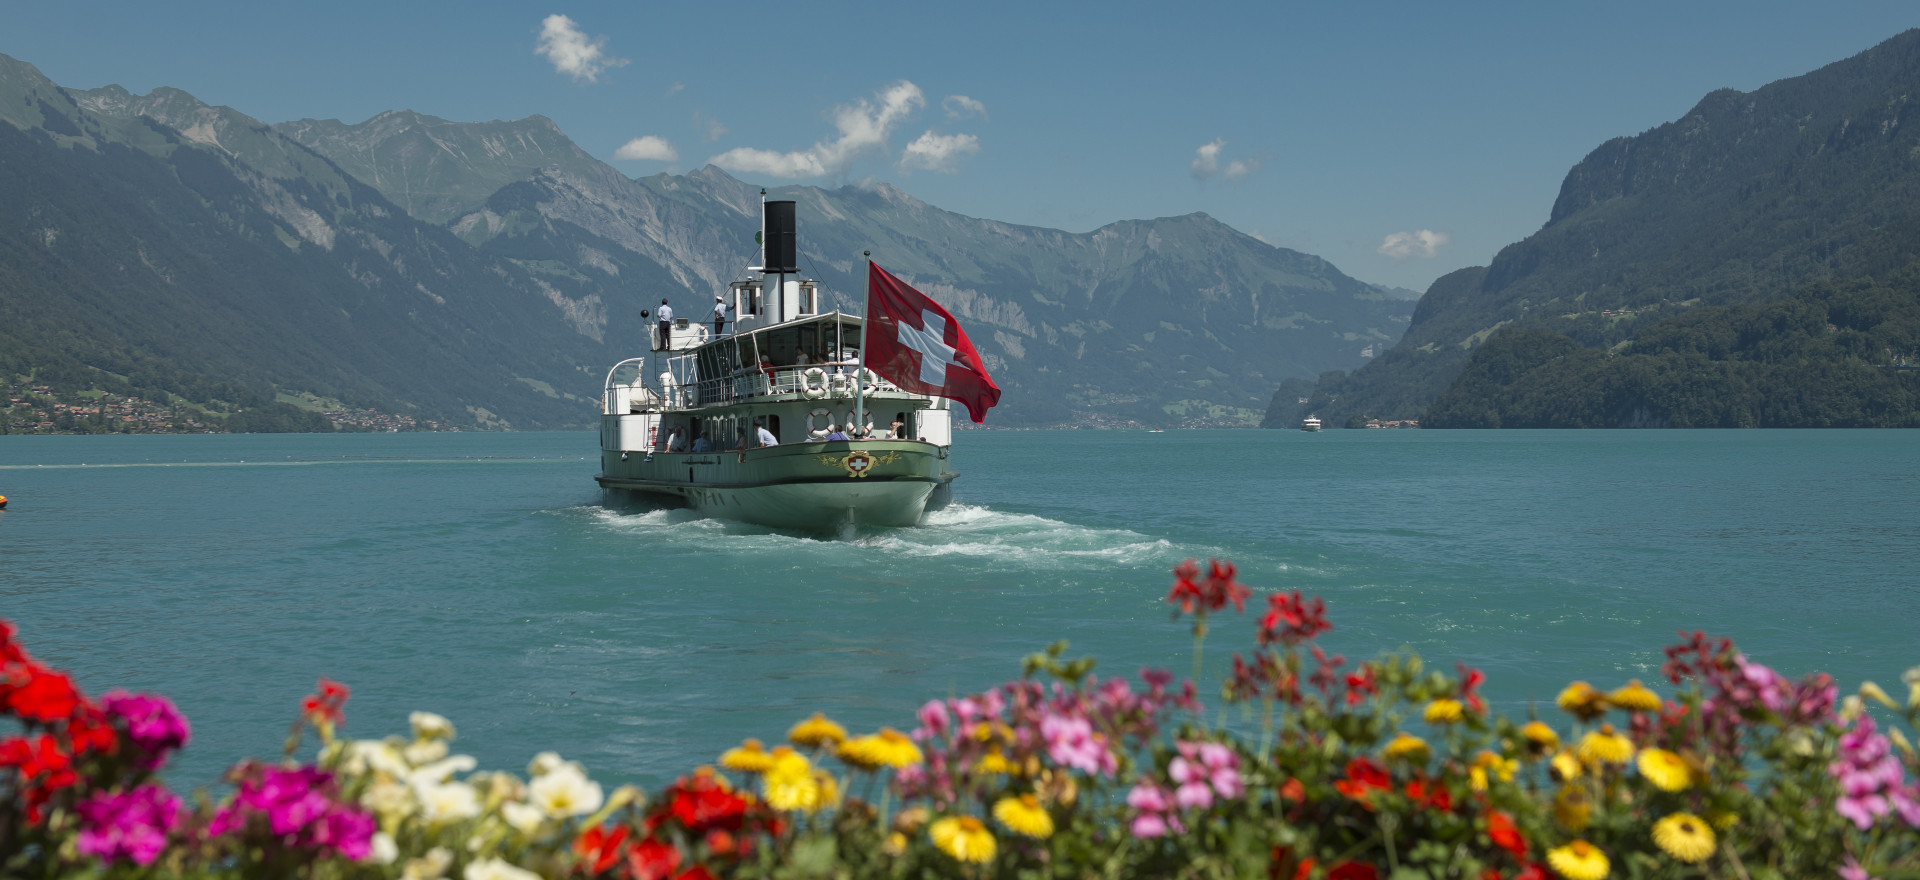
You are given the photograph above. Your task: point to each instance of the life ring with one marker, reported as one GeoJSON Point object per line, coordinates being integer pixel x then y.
{"type": "Point", "coordinates": [872, 379]}
{"type": "Point", "coordinates": [814, 431]}
{"type": "Point", "coordinates": [850, 420]}
{"type": "Point", "coordinates": [809, 388]}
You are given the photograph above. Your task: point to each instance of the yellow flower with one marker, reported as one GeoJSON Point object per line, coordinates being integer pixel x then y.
{"type": "Point", "coordinates": [910, 820]}
{"type": "Point", "coordinates": [791, 783]}
{"type": "Point", "coordinates": [1406, 746]}
{"type": "Point", "coordinates": [1685, 837]}
{"type": "Point", "coordinates": [888, 748]}
{"type": "Point", "coordinates": [992, 762]}
{"type": "Point", "coordinates": [1489, 764]}
{"type": "Point", "coordinates": [1540, 738]}
{"type": "Point", "coordinates": [1724, 819]}
{"type": "Point", "coordinates": [1635, 697]}
{"type": "Point", "coordinates": [1583, 701]}
{"type": "Point", "coordinates": [1572, 809]}
{"type": "Point", "coordinates": [1445, 710]}
{"type": "Point", "coordinates": [1875, 693]}
{"type": "Point", "coordinates": [986, 730]}
{"type": "Point", "coordinates": [1665, 769]}
{"type": "Point", "coordinates": [896, 844]}
{"type": "Point", "coordinates": [964, 838]}
{"type": "Point", "coordinates": [1605, 746]}
{"type": "Point", "coordinates": [815, 731]}
{"type": "Point", "coordinates": [1565, 766]}
{"type": "Point", "coordinates": [1023, 815]}
{"type": "Point", "coordinates": [1578, 860]}
{"type": "Point", "coordinates": [748, 757]}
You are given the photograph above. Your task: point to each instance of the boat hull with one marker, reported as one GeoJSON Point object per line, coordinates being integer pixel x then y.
{"type": "Point", "coordinates": [815, 486]}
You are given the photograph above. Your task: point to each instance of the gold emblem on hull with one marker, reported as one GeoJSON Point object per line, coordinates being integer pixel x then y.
{"type": "Point", "coordinates": [859, 462]}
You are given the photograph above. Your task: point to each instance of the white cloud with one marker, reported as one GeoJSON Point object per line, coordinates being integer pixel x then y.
{"type": "Point", "coordinates": [938, 152]}
{"type": "Point", "coordinates": [713, 127]}
{"type": "Point", "coordinates": [564, 44]}
{"type": "Point", "coordinates": [651, 146]}
{"type": "Point", "coordinates": [1422, 243]}
{"type": "Point", "coordinates": [1206, 160]}
{"type": "Point", "coordinates": [674, 89]}
{"type": "Point", "coordinates": [863, 127]}
{"type": "Point", "coordinates": [963, 107]}
{"type": "Point", "coordinates": [1206, 163]}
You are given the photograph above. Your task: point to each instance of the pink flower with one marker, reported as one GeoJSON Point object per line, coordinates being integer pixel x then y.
{"type": "Point", "coordinates": [299, 808]}
{"type": "Point", "coordinates": [1147, 797]}
{"type": "Point", "coordinates": [1149, 825]}
{"type": "Point", "coordinates": [1071, 742]}
{"type": "Point", "coordinates": [1193, 793]}
{"type": "Point", "coordinates": [934, 720]}
{"type": "Point", "coordinates": [1871, 778]}
{"type": "Point", "coordinates": [131, 825]}
{"type": "Point", "coordinates": [1852, 871]}
{"type": "Point", "coordinates": [152, 723]}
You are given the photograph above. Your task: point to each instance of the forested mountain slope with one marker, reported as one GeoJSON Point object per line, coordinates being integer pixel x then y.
{"type": "Point", "coordinates": [1743, 200]}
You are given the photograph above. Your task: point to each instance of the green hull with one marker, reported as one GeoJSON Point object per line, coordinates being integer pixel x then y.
{"type": "Point", "coordinates": [813, 486]}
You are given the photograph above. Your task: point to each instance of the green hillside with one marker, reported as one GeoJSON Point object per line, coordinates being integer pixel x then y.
{"type": "Point", "coordinates": [1742, 201]}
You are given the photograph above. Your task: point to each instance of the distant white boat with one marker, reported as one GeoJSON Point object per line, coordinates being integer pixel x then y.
{"type": "Point", "coordinates": [1310, 423]}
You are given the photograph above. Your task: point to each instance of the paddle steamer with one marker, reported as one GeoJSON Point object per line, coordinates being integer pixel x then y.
{"type": "Point", "coordinates": [781, 364]}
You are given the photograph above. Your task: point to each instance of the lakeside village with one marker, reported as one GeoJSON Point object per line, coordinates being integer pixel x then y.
{"type": "Point", "coordinates": [40, 409]}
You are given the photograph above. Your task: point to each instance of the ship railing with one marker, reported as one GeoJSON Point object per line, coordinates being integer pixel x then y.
{"type": "Point", "coordinates": [751, 384]}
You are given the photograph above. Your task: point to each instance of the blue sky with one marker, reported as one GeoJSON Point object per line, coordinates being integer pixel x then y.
{"type": "Point", "coordinates": [1398, 140]}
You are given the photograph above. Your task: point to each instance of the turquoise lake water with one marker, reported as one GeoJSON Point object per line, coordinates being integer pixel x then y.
{"type": "Point", "coordinates": [484, 577]}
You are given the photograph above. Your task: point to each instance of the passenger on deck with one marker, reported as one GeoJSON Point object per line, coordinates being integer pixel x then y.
{"type": "Point", "coordinates": [665, 317]}
{"type": "Point", "coordinates": [800, 359]}
{"type": "Point", "coordinates": [899, 427]}
{"type": "Point", "coordinates": [719, 314]}
{"type": "Point", "coordinates": [765, 436]}
{"type": "Point", "coordinates": [701, 443]}
{"type": "Point", "coordinates": [834, 433]}
{"type": "Point", "coordinates": [675, 442]}
{"type": "Point", "coordinates": [744, 444]}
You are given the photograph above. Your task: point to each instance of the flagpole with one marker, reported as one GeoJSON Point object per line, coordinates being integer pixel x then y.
{"type": "Point", "coordinates": [860, 365]}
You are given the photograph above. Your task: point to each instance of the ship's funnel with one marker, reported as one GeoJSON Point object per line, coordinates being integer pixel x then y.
{"type": "Point", "coordinates": [783, 248]}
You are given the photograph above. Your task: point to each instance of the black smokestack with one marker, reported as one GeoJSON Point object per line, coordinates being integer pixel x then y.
{"type": "Point", "coordinates": [782, 245]}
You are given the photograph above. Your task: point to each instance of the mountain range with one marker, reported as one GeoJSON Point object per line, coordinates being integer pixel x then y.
{"type": "Point", "coordinates": [1803, 193]}
{"type": "Point", "coordinates": [487, 274]}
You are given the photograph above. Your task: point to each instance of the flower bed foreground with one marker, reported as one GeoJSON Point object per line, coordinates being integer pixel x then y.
{"type": "Point", "coordinates": [1380, 769]}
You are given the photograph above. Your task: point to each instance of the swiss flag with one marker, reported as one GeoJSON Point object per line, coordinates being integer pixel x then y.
{"type": "Point", "coordinates": [915, 344]}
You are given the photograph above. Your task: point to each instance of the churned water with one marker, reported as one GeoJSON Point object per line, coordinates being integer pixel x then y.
{"type": "Point", "coordinates": [483, 576]}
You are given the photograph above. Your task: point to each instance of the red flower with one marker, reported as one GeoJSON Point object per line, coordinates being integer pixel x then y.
{"type": "Point", "coordinates": [39, 760]}
{"type": "Point", "coordinates": [701, 803]}
{"type": "Point", "coordinates": [1361, 685]}
{"type": "Point", "coordinates": [1363, 778]}
{"type": "Point", "coordinates": [90, 731]}
{"type": "Point", "coordinates": [45, 696]}
{"type": "Point", "coordinates": [600, 847]}
{"type": "Point", "coordinates": [1430, 793]}
{"type": "Point", "coordinates": [1533, 871]}
{"type": "Point", "coordinates": [1293, 790]}
{"type": "Point", "coordinates": [1470, 681]}
{"type": "Point", "coordinates": [1212, 594]}
{"type": "Point", "coordinates": [1353, 871]}
{"type": "Point", "coordinates": [1277, 859]}
{"type": "Point", "coordinates": [1292, 620]}
{"type": "Point", "coordinates": [720, 843]}
{"type": "Point", "coordinates": [328, 705]}
{"type": "Point", "coordinates": [697, 872]}
{"type": "Point", "coordinates": [1505, 835]}
{"type": "Point", "coordinates": [652, 860]}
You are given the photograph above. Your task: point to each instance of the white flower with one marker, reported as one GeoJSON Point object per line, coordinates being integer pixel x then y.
{"type": "Point", "coordinates": [432, 866]}
{"type": "Point", "coordinates": [384, 849]}
{"type": "Point", "coordinates": [427, 725]}
{"type": "Point", "coordinates": [566, 791]}
{"type": "Point", "coordinates": [525, 818]}
{"type": "Point", "coordinates": [377, 756]}
{"type": "Point", "coordinates": [544, 763]}
{"type": "Point", "coordinates": [450, 802]}
{"type": "Point", "coordinates": [389, 799]}
{"type": "Point", "coordinates": [425, 751]}
{"type": "Point", "coordinates": [443, 770]}
{"type": "Point", "coordinates": [495, 869]}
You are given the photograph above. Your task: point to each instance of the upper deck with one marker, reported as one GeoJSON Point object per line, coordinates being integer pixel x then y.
{"type": "Point", "coordinates": [809, 358]}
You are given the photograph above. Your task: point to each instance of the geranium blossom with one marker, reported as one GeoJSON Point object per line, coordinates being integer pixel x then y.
{"type": "Point", "coordinates": [131, 825]}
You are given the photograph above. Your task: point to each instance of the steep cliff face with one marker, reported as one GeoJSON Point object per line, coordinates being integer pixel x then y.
{"type": "Point", "coordinates": [1746, 197]}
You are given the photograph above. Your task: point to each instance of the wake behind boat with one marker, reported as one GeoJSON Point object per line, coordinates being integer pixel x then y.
{"type": "Point", "coordinates": [796, 419]}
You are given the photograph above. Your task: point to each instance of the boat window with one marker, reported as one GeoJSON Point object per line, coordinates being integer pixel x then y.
{"type": "Point", "coordinates": [809, 298]}
{"type": "Point", "coordinates": [773, 424]}
{"type": "Point", "coordinates": [746, 296]}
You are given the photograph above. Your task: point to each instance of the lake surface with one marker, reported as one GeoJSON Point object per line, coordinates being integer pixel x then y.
{"type": "Point", "coordinates": [484, 577]}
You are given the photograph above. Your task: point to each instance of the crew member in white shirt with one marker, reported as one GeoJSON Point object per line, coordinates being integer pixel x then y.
{"type": "Point", "coordinates": [666, 326]}
{"type": "Point", "coordinates": [766, 436]}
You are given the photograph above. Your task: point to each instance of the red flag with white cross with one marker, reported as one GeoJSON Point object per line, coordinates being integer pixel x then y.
{"type": "Point", "coordinates": [914, 343]}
